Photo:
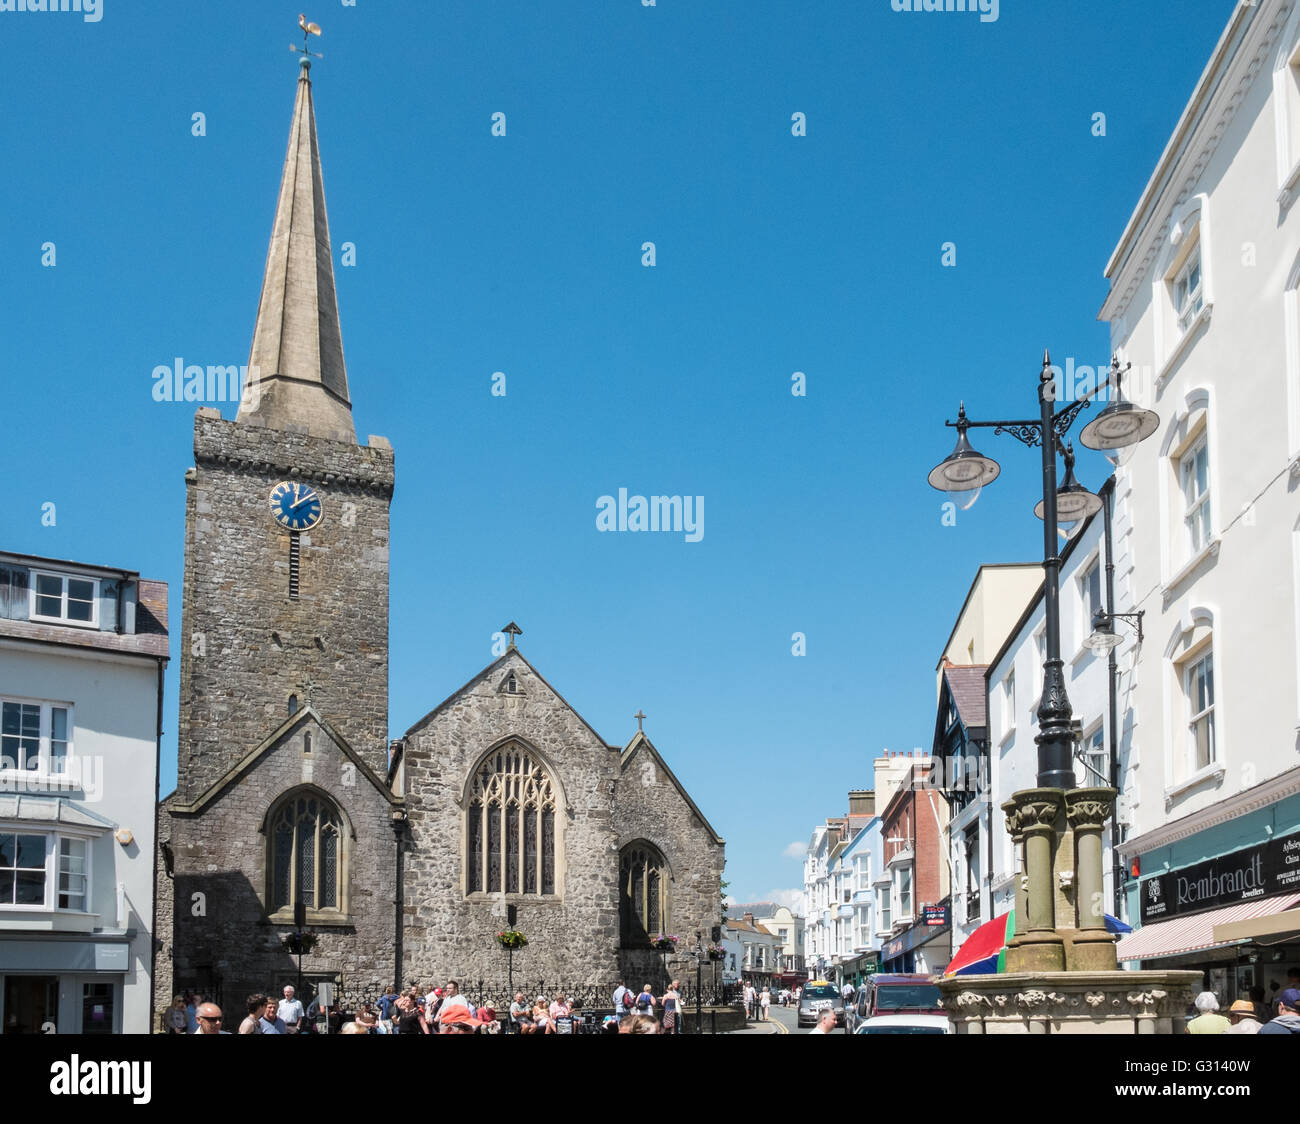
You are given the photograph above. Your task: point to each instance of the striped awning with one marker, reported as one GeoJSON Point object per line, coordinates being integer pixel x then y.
{"type": "Point", "coordinates": [1191, 934]}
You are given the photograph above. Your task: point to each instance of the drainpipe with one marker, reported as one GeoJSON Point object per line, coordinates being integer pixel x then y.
{"type": "Point", "coordinates": [1112, 674]}
{"type": "Point", "coordinates": [157, 816]}
{"type": "Point", "coordinates": [988, 835]}
{"type": "Point", "coordinates": [120, 584]}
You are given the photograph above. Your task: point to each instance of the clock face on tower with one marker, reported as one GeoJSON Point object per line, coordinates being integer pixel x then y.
{"type": "Point", "coordinates": [296, 507]}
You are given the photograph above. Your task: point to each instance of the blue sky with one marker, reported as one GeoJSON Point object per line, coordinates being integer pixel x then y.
{"type": "Point", "coordinates": [775, 253]}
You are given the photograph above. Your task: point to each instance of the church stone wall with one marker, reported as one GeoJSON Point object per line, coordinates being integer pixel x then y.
{"type": "Point", "coordinates": [572, 937]}
{"type": "Point", "coordinates": [162, 927]}
{"type": "Point", "coordinates": [221, 853]}
{"type": "Point", "coordinates": [245, 646]}
{"type": "Point", "coordinates": [649, 806]}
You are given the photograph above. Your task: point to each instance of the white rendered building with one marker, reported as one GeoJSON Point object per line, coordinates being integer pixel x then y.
{"type": "Point", "coordinates": [1205, 303]}
{"type": "Point", "coordinates": [82, 653]}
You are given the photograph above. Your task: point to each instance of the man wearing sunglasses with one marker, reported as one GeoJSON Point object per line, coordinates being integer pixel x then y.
{"type": "Point", "coordinates": [209, 1019]}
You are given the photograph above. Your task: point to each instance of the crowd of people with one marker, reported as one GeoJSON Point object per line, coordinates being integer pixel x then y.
{"type": "Point", "coordinates": [435, 1010]}
{"type": "Point", "coordinates": [1249, 1016]}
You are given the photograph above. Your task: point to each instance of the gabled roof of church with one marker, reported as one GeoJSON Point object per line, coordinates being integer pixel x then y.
{"type": "Point", "coordinates": [244, 764]}
{"type": "Point", "coordinates": [297, 351]}
{"type": "Point", "coordinates": [641, 742]}
{"type": "Point", "coordinates": [487, 672]}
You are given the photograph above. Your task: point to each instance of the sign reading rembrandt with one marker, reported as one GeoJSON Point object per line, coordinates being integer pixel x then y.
{"type": "Point", "coordinates": [1255, 872]}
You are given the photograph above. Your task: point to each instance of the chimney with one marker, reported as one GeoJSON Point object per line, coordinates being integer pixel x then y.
{"type": "Point", "coordinates": [749, 920]}
{"type": "Point", "coordinates": [862, 802]}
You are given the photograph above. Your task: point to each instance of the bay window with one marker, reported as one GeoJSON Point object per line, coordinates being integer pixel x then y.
{"type": "Point", "coordinates": [42, 870]}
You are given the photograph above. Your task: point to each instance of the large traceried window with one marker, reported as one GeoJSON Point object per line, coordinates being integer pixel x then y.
{"type": "Point", "coordinates": [510, 843]}
{"type": "Point", "coordinates": [306, 846]}
{"type": "Point", "coordinates": [644, 887]}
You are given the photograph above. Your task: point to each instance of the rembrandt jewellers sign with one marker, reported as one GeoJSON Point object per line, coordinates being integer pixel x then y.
{"type": "Point", "coordinates": [1256, 872]}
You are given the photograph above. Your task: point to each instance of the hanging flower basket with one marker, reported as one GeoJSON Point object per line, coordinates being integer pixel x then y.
{"type": "Point", "coordinates": [300, 942]}
{"type": "Point", "coordinates": [511, 938]}
{"type": "Point", "coordinates": [664, 943]}
{"type": "Point", "coordinates": [716, 952]}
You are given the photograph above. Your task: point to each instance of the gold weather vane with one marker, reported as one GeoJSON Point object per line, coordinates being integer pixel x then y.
{"type": "Point", "coordinates": [308, 30]}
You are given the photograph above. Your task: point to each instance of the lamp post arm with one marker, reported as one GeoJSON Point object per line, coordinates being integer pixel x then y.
{"type": "Point", "coordinates": [1028, 432]}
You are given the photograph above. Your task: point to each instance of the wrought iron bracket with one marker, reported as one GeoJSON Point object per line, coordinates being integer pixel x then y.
{"type": "Point", "coordinates": [1031, 435]}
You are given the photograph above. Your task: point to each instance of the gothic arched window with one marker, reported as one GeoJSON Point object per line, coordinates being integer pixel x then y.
{"type": "Point", "coordinates": [510, 843]}
{"type": "Point", "coordinates": [305, 845]}
{"type": "Point", "coordinates": [644, 883]}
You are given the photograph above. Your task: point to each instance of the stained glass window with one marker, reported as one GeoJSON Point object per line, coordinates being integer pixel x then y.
{"type": "Point", "coordinates": [475, 863]}
{"type": "Point", "coordinates": [306, 854]}
{"type": "Point", "coordinates": [530, 851]}
{"type": "Point", "coordinates": [644, 882]}
{"type": "Point", "coordinates": [548, 851]}
{"type": "Point", "coordinates": [329, 847]}
{"type": "Point", "coordinates": [513, 793]}
{"type": "Point", "coordinates": [512, 848]}
{"type": "Point", "coordinates": [494, 847]}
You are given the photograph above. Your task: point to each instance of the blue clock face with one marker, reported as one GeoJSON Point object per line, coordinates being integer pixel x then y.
{"type": "Point", "coordinates": [295, 506]}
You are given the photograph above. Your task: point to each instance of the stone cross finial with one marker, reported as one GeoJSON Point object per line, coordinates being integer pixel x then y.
{"type": "Point", "coordinates": [310, 688]}
{"type": "Point", "coordinates": [512, 630]}
{"type": "Point", "coordinates": [640, 717]}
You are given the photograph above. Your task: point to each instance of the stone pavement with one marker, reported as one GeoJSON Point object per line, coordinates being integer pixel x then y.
{"type": "Point", "coordinates": [769, 1027]}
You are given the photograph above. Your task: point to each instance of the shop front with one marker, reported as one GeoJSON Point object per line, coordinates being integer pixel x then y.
{"type": "Point", "coordinates": [924, 948]}
{"type": "Point", "coordinates": [61, 986]}
{"type": "Point", "coordinates": [1232, 916]}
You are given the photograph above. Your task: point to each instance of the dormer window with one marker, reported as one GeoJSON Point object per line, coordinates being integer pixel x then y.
{"type": "Point", "coordinates": [65, 599]}
{"type": "Point", "coordinates": [512, 684]}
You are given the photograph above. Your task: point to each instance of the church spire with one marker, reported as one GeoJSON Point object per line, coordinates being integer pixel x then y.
{"type": "Point", "coordinates": [297, 354]}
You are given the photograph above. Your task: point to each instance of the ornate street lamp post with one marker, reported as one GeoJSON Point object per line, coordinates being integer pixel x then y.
{"type": "Point", "coordinates": [699, 982]}
{"type": "Point", "coordinates": [1039, 814]}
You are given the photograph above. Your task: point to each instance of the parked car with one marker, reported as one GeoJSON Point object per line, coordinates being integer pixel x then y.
{"type": "Point", "coordinates": [905, 1024]}
{"type": "Point", "coordinates": [890, 994]}
{"type": "Point", "coordinates": [858, 1010]}
{"type": "Point", "coordinates": [818, 995]}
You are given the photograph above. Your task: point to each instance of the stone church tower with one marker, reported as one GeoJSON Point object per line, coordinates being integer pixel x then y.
{"type": "Point", "coordinates": [282, 742]}
{"type": "Point", "coordinates": [501, 796]}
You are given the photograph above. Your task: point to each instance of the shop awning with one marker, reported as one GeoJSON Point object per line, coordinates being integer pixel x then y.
{"type": "Point", "coordinates": [1277, 926]}
{"type": "Point", "coordinates": [1191, 934]}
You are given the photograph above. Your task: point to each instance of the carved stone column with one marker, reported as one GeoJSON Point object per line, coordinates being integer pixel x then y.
{"type": "Point", "coordinates": [1093, 948]}
{"type": "Point", "coordinates": [1021, 883]}
{"type": "Point", "coordinates": [1041, 948]}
